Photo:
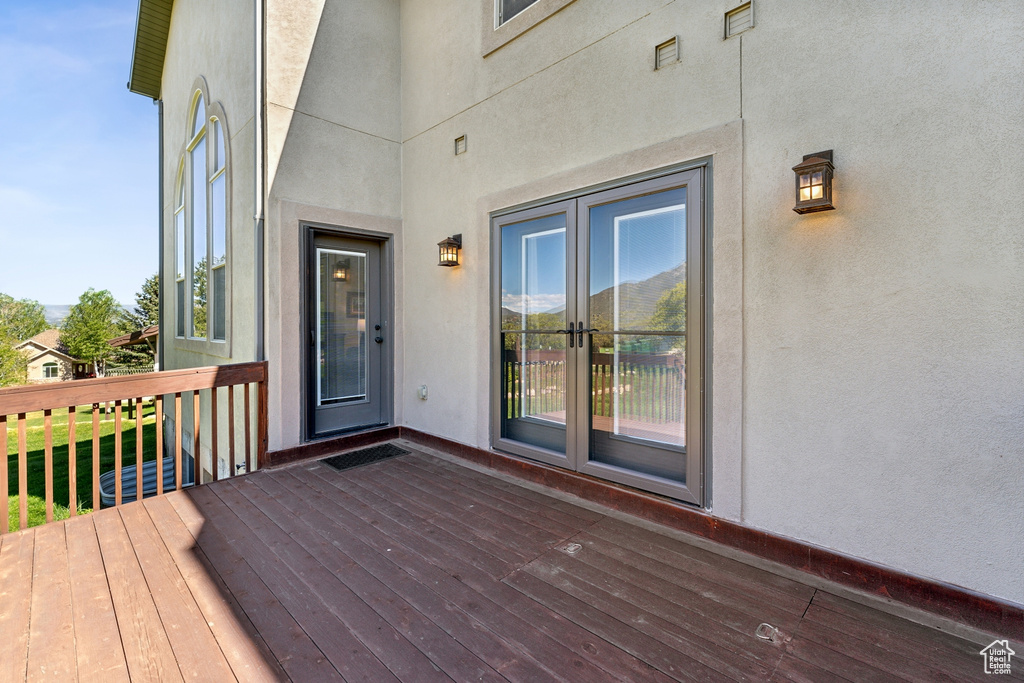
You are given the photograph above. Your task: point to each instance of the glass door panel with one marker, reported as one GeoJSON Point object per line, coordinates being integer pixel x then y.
{"type": "Point", "coordinates": [637, 306]}
{"type": "Point", "coordinates": [341, 329]}
{"type": "Point", "coordinates": [534, 297]}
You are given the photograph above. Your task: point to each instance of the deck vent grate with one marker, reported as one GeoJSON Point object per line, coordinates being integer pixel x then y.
{"type": "Point", "coordinates": [364, 456]}
{"type": "Point", "coordinates": [666, 53]}
{"type": "Point", "coordinates": [739, 20]}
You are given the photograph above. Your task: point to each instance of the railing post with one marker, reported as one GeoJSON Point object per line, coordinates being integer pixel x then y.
{"type": "Point", "coordinates": [48, 461]}
{"type": "Point", "coordinates": [4, 527]}
{"type": "Point", "coordinates": [72, 462]}
{"type": "Point", "coordinates": [22, 474]}
{"type": "Point", "coordinates": [197, 448]}
{"type": "Point", "coordinates": [95, 456]}
{"type": "Point", "coordinates": [261, 423]}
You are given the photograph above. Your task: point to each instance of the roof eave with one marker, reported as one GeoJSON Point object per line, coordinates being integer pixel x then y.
{"type": "Point", "coordinates": [152, 24]}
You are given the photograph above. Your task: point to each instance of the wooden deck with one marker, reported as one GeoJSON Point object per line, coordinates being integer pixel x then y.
{"type": "Point", "coordinates": [420, 569]}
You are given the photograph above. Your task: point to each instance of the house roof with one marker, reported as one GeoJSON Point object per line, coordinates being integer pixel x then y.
{"type": "Point", "coordinates": [46, 341]}
{"type": "Point", "coordinates": [151, 27]}
{"type": "Point", "coordinates": [137, 337]}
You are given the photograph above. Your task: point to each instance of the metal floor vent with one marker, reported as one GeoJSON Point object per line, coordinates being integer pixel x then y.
{"type": "Point", "coordinates": [364, 456]}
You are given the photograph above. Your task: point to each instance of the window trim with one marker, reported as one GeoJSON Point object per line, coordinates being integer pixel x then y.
{"type": "Point", "coordinates": [495, 35]}
{"type": "Point", "coordinates": [183, 189]}
{"type": "Point", "coordinates": [51, 365]}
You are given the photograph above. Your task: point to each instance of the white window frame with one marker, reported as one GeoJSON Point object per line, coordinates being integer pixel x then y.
{"type": "Point", "coordinates": [212, 132]}
{"type": "Point", "coordinates": [50, 365]}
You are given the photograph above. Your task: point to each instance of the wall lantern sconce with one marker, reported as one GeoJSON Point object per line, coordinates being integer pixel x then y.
{"type": "Point", "coordinates": [341, 271]}
{"type": "Point", "coordinates": [449, 250]}
{"type": "Point", "coordinates": [814, 183]}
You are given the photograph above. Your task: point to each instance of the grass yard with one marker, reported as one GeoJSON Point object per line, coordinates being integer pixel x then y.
{"type": "Point", "coordinates": [83, 437]}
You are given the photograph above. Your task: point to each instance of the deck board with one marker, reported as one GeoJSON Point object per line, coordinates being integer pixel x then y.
{"type": "Point", "coordinates": [195, 648]}
{"type": "Point", "coordinates": [51, 645]}
{"type": "Point", "coordinates": [147, 647]}
{"type": "Point", "coordinates": [97, 638]}
{"type": "Point", "coordinates": [316, 534]}
{"type": "Point", "coordinates": [16, 590]}
{"type": "Point", "coordinates": [349, 657]}
{"type": "Point", "coordinates": [521, 622]}
{"type": "Point", "coordinates": [296, 652]}
{"type": "Point", "coordinates": [242, 644]}
{"type": "Point", "coordinates": [417, 568]}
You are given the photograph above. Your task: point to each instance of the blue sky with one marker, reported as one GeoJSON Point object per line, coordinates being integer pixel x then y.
{"type": "Point", "coordinates": [78, 153]}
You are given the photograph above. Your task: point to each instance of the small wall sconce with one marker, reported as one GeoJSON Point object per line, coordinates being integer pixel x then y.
{"type": "Point", "coordinates": [814, 183]}
{"type": "Point", "coordinates": [341, 271]}
{"type": "Point", "coordinates": [449, 250]}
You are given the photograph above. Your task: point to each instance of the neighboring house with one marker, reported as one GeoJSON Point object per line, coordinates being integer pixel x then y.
{"type": "Point", "coordinates": [48, 359]}
{"type": "Point", "coordinates": [647, 291]}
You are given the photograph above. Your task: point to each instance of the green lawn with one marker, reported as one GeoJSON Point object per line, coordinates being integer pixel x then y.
{"type": "Point", "coordinates": [83, 437]}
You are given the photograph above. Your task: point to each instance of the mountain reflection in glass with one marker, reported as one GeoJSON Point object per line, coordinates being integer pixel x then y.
{"type": "Point", "coordinates": [341, 332]}
{"type": "Point", "coordinates": [637, 295]}
{"type": "Point", "coordinates": [533, 301]}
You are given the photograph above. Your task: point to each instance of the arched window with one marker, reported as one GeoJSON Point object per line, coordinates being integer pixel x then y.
{"type": "Point", "coordinates": [200, 228]}
{"type": "Point", "coordinates": [50, 370]}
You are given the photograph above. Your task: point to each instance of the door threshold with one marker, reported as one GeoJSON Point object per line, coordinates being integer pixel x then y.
{"type": "Point", "coordinates": [333, 443]}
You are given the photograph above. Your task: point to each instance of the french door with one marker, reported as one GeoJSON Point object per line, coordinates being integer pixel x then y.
{"type": "Point", "coordinates": [599, 353]}
{"type": "Point", "coordinates": [347, 333]}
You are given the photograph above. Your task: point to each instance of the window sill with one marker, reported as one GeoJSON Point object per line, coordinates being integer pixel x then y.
{"type": "Point", "coordinates": [494, 38]}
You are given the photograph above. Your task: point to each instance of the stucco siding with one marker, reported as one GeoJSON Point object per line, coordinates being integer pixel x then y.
{"type": "Point", "coordinates": [880, 362]}
{"type": "Point", "coordinates": [333, 158]}
{"type": "Point", "coordinates": [214, 42]}
{"type": "Point", "coordinates": [884, 355]}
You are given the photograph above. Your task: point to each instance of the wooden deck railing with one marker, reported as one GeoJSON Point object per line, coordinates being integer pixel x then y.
{"type": "Point", "coordinates": [170, 386]}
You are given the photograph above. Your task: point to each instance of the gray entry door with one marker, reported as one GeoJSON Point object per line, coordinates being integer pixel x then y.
{"type": "Point", "coordinates": [346, 336]}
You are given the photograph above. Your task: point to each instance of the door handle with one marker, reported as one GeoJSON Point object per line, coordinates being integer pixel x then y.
{"type": "Point", "coordinates": [579, 333]}
{"type": "Point", "coordinates": [570, 335]}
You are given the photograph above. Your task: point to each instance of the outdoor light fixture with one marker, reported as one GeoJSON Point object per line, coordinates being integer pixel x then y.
{"type": "Point", "coordinates": [449, 250]}
{"type": "Point", "coordinates": [814, 183]}
{"type": "Point", "coordinates": [341, 271]}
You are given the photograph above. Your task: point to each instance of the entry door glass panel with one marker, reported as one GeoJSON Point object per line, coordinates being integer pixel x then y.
{"type": "Point", "coordinates": [637, 305]}
{"type": "Point", "coordinates": [533, 340]}
{"type": "Point", "coordinates": [341, 332]}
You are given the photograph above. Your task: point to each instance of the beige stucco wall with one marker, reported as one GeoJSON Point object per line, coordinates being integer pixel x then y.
{"type": "Point", "coordinates": [213, 43]}
{"type": "Point", "coordinates": [867, 362]}
{"type": "Point", "coordinates": [871, 356]}
{"type": "Point", "coordinates": [884, 348]}
{"type": "Point", "coordinates": [333, 158]}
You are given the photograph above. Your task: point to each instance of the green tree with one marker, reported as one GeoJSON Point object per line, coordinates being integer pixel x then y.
{"type": "Point", "coordinates": [147, 307]}
{"type": "Point", "coordinates": [13, 363]}
{"type": "Point", "coordinates": [199, 305]}
{"type": "Point", "coordinates": [20, 319]}
{"type": "Point", "coordinates": [670, 311]}
{"type": "Point", "coordinates": [89, 326]}
{"type": "Point", "coordinates": [145, 313]}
